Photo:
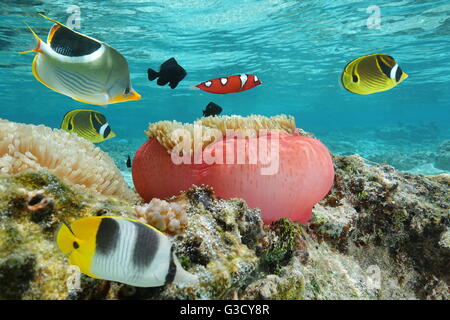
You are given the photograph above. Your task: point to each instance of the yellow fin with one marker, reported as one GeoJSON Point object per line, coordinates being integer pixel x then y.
{"type": "Point", "coordinates": [132, 96]}
{"type": "Point", "coordinates": [38, 45]}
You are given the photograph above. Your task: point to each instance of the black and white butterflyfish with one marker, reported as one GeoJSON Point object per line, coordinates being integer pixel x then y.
{"type": "Point", "coordinates": [88, 124]}
{"type": "Point", "coordinates": [122, 250]}
{"type": "Point", "coordinates": [81, 67]}
{"type": "Point", "coordinates": [372, 73]}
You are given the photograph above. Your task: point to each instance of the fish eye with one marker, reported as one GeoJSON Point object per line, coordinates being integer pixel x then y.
{"type": "Point", "coordinates": [355, 78]}
{"type": "Point", "coordinates": [76, 245]}
{"type": "Point", "coordinates": [127, 90]}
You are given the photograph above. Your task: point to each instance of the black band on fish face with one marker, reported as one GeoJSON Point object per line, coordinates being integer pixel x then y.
{"type": "Point", "coordinates": [107, 236]}
{"type": "Point", "coordinates": [354, 78]}
{"type": "Point", "coordinates": [172, 268]}
{"type": "Point", "coordinates": [384, 68]}
{"type": "Point", "coordinates": [72, 44]}
{"type": "Point", "coordinates": [97, 124]}
{"type": "Point", "coordinates": [69, 125]}
{"type": "Point", "coordinates": [146, 245]}
{"type": "Point", "coordinates": [398, 74]}
{"type": "Point", "coordinates": [107, 132]}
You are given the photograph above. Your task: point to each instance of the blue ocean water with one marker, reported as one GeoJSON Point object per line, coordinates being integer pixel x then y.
{"type": "Point", "coordinates": [297, 48]}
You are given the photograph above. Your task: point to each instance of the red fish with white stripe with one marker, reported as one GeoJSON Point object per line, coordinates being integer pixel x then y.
{"type": "Point", "coordinates": [230, 84]}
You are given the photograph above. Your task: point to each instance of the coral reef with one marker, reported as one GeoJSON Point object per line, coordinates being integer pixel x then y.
{"type": "Point", "coordinates": [283, 174]}
{"type": "Point", "coordinates": [391, 222]}
{"type": "Point", "coordinates": [281, 240]}
{"type": "Point", "coordinates": [378, 234]}
{"type": "Point", "coordinates": [65, 155]}
{"type": "Point", "coordinates": [218, 243]}
{"type": "Point", "coordinates": [32, 206]}
{"type": "Point", "coordinates": [442, 160]}
{"type": "Point", "coordinates": [166, 216]}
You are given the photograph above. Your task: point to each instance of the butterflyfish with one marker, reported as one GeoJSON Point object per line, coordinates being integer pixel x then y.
{"type": "Point", "coordinates": [122, 250]}
{"type": "Point", "coordinates": [81, 67]}
{"type": "Point", "coordinates": [372, 73]}
{"type": "Point", "coordinates": [169, 72]}
{"type": "Point", "coordinates": [88, 124]}
{"type": "Point", "coordinates": [230, 84]}
{"type": "Point", "coordinates": [212, 109]}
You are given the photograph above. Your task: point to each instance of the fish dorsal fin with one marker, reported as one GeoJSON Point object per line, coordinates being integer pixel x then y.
{"type": "Point", "coordinates": [64, 26]}
{"type": "Point", "coordinates": [68, 42]}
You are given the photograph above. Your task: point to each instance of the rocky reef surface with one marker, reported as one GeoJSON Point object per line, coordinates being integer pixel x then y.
{"type": "Point", "coordinates": [379, 234]}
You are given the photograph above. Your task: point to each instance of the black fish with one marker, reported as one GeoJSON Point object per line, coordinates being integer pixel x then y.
{"type": "Point", "coordinates": [129, 162]}
{"type": "Point", "coordinates": [212, 109]}
{"type": "Point", "coordinates": [169, 72]}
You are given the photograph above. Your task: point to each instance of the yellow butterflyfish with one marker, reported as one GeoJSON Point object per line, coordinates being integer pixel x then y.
{"type": "Point", "coordinates": [372, 73]}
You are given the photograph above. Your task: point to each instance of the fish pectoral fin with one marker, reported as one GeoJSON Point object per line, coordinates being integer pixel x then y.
{"type": "Point", "coordinates": [64, 26]}
{"type": "Point", "coordinates": [173, 84]}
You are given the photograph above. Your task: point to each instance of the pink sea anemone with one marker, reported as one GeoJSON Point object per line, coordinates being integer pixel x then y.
{"type": "Point", "coordinates": [277, 170]}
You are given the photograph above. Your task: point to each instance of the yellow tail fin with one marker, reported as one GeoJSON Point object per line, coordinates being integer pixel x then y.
{"type": "Point", "coordinates": [38, 40]}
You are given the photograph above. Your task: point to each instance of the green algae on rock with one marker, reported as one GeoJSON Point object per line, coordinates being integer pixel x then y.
{"type": "Point", "coordinates": [283, 239]}
{"type": "Point", "coordinates": [211, 245]}
{"type": "Point", "coordinates": [378, 234]}
{"type": "Point", "coordinates": [390, 221]}
{"type": "Point", "coordinates": [32, 206]}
